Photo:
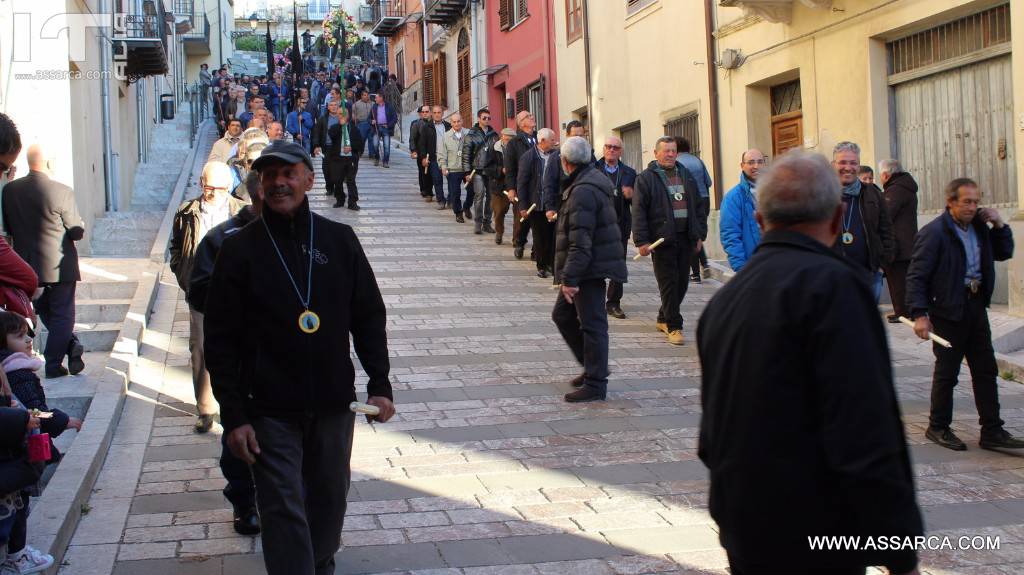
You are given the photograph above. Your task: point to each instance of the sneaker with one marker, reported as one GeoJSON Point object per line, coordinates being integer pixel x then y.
{"type": "Point", "coordinates": [662, 327]}
{"type": "Point", "coordinates": [30, 560]}
{"type": "Point", "coordinates": [75, 351]}
{"type": "Point", "coordinates": [946, 438]}
{"type": "Point", "coordinates": [695, 278]}
{"type": "Point", "coordinates": [675, 337]}
{"type": "Point", "coordinates": [1000, 439]}
{"type": "Point", "coordinates": [205, 423]}
{"type": "Point", "coordinates": [585, 393]}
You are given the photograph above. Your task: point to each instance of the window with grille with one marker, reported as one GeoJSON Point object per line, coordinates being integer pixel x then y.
{"type": "Point", "coordinates": [786, 98]}
{"type": "Point", "coordinates": [535, 95]}
{"type": "Point", "coordinates": [687, 126]}
{"type": "Point", "coordinates": [632, 145]}
{"type": "Point", "coordinates": [962, 37]}
{"type": "Point", "coordinates": [634, 6]}
{"type": "Point", "coordinates": [573, 20]}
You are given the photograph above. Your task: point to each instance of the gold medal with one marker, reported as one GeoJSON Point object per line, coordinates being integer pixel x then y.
{"type": "Point", "coordinates": [847, 238]}
{"type": "Point", "coordinates": [309, 322]}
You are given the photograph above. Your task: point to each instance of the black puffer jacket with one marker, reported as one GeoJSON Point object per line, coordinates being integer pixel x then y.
{"type": "Point", "coordinates": [652, 211]}
{"type": "Point", "coordinates": [477, 147]}
{"type": "Point", "coordinates": [588, 244]}
{"type": "Point", "coordinates": [901, 203]}
{"type": "Point", "coordinates": [514, 150]}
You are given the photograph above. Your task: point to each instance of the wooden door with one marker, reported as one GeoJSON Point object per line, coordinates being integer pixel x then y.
{"type": "Point", "coordinates": [787, 133]}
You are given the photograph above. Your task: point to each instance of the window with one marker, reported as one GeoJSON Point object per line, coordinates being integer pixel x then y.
{"type": "Point", "coordinates": [687, 126]}
{"type": "Point", "coordinates": [511, 12]}
{"type": "Point", "coordinates": [634, 6]}
{"type": "Point", "coordinates": [632, 145]}
{"type": "Point", "coordinates": [400, 67]}
{"type": "Point", "coordinates": [531, 98]}
{"type": "Point", "coordinates": [573, 20]}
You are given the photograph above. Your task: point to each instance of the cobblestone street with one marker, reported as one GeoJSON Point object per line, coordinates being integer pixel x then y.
{"type": "Point", "coordinates": [484, 469]}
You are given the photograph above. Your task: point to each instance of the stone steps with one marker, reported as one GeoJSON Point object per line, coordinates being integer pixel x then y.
{"type": "Point", "coordinates": [102, 310]}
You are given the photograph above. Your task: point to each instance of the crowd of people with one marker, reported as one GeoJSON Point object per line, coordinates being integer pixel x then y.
{"type": "Point", "coordinates": [38, 276]}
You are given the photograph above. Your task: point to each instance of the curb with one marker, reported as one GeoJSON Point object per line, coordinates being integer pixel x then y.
{"type": "Point", "coordinates": [56, 514]}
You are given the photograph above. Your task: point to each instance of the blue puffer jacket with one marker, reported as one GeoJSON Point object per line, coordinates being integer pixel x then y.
{"type": "Point", "coordinates": [737, 228]}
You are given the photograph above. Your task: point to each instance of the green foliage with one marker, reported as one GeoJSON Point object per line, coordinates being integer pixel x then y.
{"type": "Point", "coordinates": [251, 43]}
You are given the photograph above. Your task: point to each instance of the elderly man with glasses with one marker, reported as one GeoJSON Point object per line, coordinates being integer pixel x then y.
{"type": "Point", "coordinates": [738, 229]}
{"type": "Point", "coordinates": [192, 221]}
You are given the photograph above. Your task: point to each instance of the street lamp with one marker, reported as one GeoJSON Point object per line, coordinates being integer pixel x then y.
{"type": "Point", "coordinates": [254, 22]}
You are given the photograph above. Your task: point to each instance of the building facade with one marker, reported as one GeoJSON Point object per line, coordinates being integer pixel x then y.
{"type": "Point", "coordinates": [521, 70]}
{"type": "Point", "coordinates": [456, 35]}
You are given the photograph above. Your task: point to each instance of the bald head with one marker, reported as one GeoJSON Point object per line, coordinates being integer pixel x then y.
{"type": "Point", "coordinates": [801, 192]}
{"type": "Point", "coordinates": [752, 163]}
{"type": "Point", "coordinates": [215, 181]}
{"type": "Point", "coordinates": [36, 158]}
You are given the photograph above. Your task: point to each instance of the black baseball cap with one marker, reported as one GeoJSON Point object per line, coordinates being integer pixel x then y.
{"type": "Point", "coordinates": [287, 151]}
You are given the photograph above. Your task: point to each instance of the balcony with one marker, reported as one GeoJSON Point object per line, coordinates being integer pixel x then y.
{"type": "Point", "coordinates": [196, 39]}
{"type": "Point", "coordinates": [772, 10]}
{"type": "Point", "coordinates": [140, 42]}
{"type": "Point", "coordinates": [445, 11]}
{"type": "Point", "coordinates": [387, 17]}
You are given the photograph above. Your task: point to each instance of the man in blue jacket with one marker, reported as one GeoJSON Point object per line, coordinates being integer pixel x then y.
{"type": "Point", "coordinates": [949, 286]}
{"type": "Point", "coordinates": [738, 229]}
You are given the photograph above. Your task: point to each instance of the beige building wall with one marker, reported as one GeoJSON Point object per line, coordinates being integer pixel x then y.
{"type": "Point", "coordinates": [648, 67]}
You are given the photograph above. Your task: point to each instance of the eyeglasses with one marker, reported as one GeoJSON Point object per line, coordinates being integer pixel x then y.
{"type": "Point", "coordinates": [755, 162]}
{"type": "Point", "coordinates": [213, 189]}
{"type": "Point", "coordinates": [485, 118]}
{"type": "Point", "coordinates": [612, 147]}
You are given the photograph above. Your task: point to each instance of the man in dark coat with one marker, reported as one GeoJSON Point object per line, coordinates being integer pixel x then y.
{"type": "Point", "coordinates": [337, 136]}
{"type": "Point", "coordinates": [41, 215]}
{"type": "Point", "coordinates": [290, 294]}
{"type": "Point", "coordinates": [383, 119]}
{"type": "Point", "coordinates": [623, 178]}
{"type": "Point", "coordinates": [428, 140]}
{"type": "Point", "coordinates": [901, 203]}
{"type": "Point", "coordinates": [949, 286]}
{"type": "Point", "coordinates": [801, 427]}
{"type": "Point", "coordinates": [553, 175]}
{"type": "Point", "coordinates": [867, 231]}
{"type": "Point", "coordinates": [529, 191]}
{"type": "Point", "coordinates": [587, 253]}
{"type": "Point", "coordinates": [425, 181]}
{"type": "Point", "coordinates": [525, 139]}
{"type": "Point", "coordinates": [477, 148]}
{"type": "Point", "coordinates": [667, 206]}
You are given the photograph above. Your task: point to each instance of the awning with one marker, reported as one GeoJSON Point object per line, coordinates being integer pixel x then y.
{"type": "Point", "coordinates": [490, 71]}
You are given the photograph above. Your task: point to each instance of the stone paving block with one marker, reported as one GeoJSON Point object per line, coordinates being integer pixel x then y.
{"type": "Point", "coordinates": [206, 547]}
{"type": "Point", "coordinates": [662, 540]}
{"type": "Point", "coordinates": [530, 479]}
{"type": "Point", "coordinates": [378, 559]}
{"type": "Point", "coordinates": [962, 515]}
{"type": "Point", "coordinates": [169, 567]}
{"type": "Point", "coordinates": [176, 452]}
{"type": "Point", "coordinates": [88, 560]}
{"type": "Point", "coordinates": [134, 551]}
{"type": "Point", "coordinates": [150, 520]}
{"type": "Point", "coordinates": [166, 533]}
{"type": "Point", "coordinates": [463, 516]}
{"type": "Point", "coordinates": [403, 520]}
{"type": "Point", "coordinates": [203, 516]}
{"type": "Point", "coordinates": [547, 548]}
{"type": "Point", "coordinates": [472, 553]}
{"type": "Point", "coordinates": [502, 570]}
{"type": "Point", "coordinates": [201, 500]}
{"type": "Point", "coordinates": [374, 537]}
{"type": "Point", "coordinates": [104, 523]}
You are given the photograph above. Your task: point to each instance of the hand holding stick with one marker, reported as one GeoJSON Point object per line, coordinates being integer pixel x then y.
{"type": "Point", "coordinates": [943, 342]}
{"type": "Point", "coordinates": [530, 209]}
{"type": "Point", "coordinates": [426, 166]}
{"type": "Point", "coordinates": [660, 241]}
{"type": "Point", "coordinates": [364, 408]}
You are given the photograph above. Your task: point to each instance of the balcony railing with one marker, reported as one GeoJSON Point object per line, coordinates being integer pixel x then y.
{"type": "Point", "coordinates": [445, 11]}
{"type": "Point", "coordinates": [388, 15]}
{"type": "Point", "coordinates": [140, 41]}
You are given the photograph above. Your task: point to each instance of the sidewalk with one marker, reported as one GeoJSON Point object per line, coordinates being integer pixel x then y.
{"type": "Point", "coordinates": [485, 470]}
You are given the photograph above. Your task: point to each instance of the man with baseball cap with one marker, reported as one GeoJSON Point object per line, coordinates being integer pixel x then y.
{"type": "Point", "coordinates": [287, 292]}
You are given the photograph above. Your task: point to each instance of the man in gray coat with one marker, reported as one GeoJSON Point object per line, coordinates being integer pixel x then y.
{"type": "Point", "coordinates": [43, 219]}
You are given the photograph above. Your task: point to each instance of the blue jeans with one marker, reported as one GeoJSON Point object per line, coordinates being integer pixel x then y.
{"type": "Point", "coordinates": [876, 286]}
{"type": "Point", "coordinates": [380, 134]}
{"type": "Point", "coordinates": [364, 131]}
{"type": "Point", "coordinates": [437, 179]}
{"type": "Point", "coordinates": [455, 180]}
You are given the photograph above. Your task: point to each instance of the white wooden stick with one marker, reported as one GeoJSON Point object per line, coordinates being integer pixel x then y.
{"type": "Point", "coordinates": [364, 408]}
{"type": "Point", "coordinates": [427, 167]}
{"type": "Point", "coordinates": [530, 209]}
{"type": "Point", "coordinates": [931, 336]}
{"type": "Point", "coordinates": [660, 241]}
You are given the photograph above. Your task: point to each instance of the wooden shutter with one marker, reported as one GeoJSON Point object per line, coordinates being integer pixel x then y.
{"type": "Point", "coordinates": [441, 73]}
{"type": "Point", "coordinates": [505, 14]}
{"type": "Point", "coordinates": [522, 100]}
{"type": "Point", "coordinates": [522, 11]}
{"type": "Point", "coordinates": [465, 94]}
{"type": "Point", "coordinates": [428, 84]}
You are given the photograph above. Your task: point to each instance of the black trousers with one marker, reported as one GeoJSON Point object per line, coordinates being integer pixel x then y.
{"type": "Point", "coordinates": [302, 478]}
{"type": "Point", "coordinates": [896, 277]}
{"type": "Point", "coordinates": [240, 490]}
{"type": "Point", "coordinates": [543, 239]}
{"type": "Point", "coordinates": [672, 270]}
{"type": "Point", "coordinates": [584, 327]}
{"type": "Point", "coordinates": [971, 338]}
{"type": "Point", "coordinates": [614, 287]}
{"type": "Point", "coordinates": [426, 181]}
{"type": "Point", "coordinates": [56, 309]}
{"type": "Point", "coordinates": [343, 171]}
{"type": "Point", "coordinates": [697, 261]}
{"type": "Point", "coordinates": [520, 235]}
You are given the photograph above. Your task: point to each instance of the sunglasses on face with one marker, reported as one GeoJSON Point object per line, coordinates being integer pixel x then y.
{"type": "Point", "coordinates": [485, 118]}
{"type": "Point", "coordinates": [612, 147]}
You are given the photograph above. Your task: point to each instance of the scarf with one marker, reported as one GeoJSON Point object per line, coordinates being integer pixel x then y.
{"type": "Point", "coordinates": [661, 172]}
{"type": "Point", "coordinates": [19, 360]}
{"type": "Point", "coordinates": [853, 190]}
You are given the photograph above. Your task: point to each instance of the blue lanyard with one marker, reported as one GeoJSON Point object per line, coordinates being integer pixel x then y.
{"type": "Point", "coordinates": [309, 278]}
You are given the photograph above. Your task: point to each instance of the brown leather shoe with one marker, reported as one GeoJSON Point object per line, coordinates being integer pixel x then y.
{"type": "Point", "coordinates": [675, 337]}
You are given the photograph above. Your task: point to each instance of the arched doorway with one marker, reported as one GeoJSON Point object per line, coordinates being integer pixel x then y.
{"type": "Point", "coordinates": [465, 83]}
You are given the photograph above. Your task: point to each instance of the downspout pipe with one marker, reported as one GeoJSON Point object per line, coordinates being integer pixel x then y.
{"type": "Point", "coordinates": [586, 64]}
{"type": "Point", "coordinates": [712, 49]}
{"type": "Point", "coordinates": [108, 161]}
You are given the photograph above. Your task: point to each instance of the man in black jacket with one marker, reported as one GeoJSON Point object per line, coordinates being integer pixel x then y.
{"type": "Point", "coordinates": [949, 286]}
{"type": "Point", "coordinates": [623, 178]}
{"type": "Point", "coordinates": [587, 253]}
{"type": "Point", "coordinates": [425, 181]}
{"type": "Point", "coordinates": [428, 139]}
{"type": "Point", "coordinates": [477, 149]}
{"type": "Point", "coordinates": [337, 136]}
{"type": "Point", "coordinates": [42, 216]}
{"type": "Point", "coordinates": [867, 231]}
{"type": "Point", "coordinates": [529, 191]}
{"type": "Point", "coordinates": [525, 139]}
{"type": "Point", "coordinates": [800, 425]}
{"type": "Point", "coordinates": [287, 293]}
{"type": "Point", "coordinates": [666, 205]}
{"type": "Point", "coordinates": [240, 490]}
{"type": "Point", "coordinates": [901, 203]}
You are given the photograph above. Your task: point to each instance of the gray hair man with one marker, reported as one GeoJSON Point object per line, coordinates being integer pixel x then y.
{"type": "Point", "coordinates": [588, 251]}
{"type": "Point", "coordinates": [530, 192]}
{"type": "Point", "coordinates": [824, 370]}
{"type": "Point", "coordinates": [667, 206]}
{"type": "Point", "coordinates": [525, 139]}
{"type": "Point", "coordinates": [901, 203]}
{"type": "Point", "coordinates": [866, 238]}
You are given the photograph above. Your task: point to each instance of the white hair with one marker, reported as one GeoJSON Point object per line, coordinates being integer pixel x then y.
{"type": "Point", "coordinates": [545, 134]}
{"type": "Point", "coordinates": [846, 147]}
{"type": "Point", "coordinates": [576, 151]}
{"type": "Point", "coordinates": [890, 166]}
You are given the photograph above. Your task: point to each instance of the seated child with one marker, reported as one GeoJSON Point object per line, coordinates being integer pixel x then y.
{"type": "Point", "coordinates": [17, 474]}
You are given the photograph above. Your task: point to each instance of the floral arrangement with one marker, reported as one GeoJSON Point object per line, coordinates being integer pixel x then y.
{"type": "Point", "coordinates": [338, 19]}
